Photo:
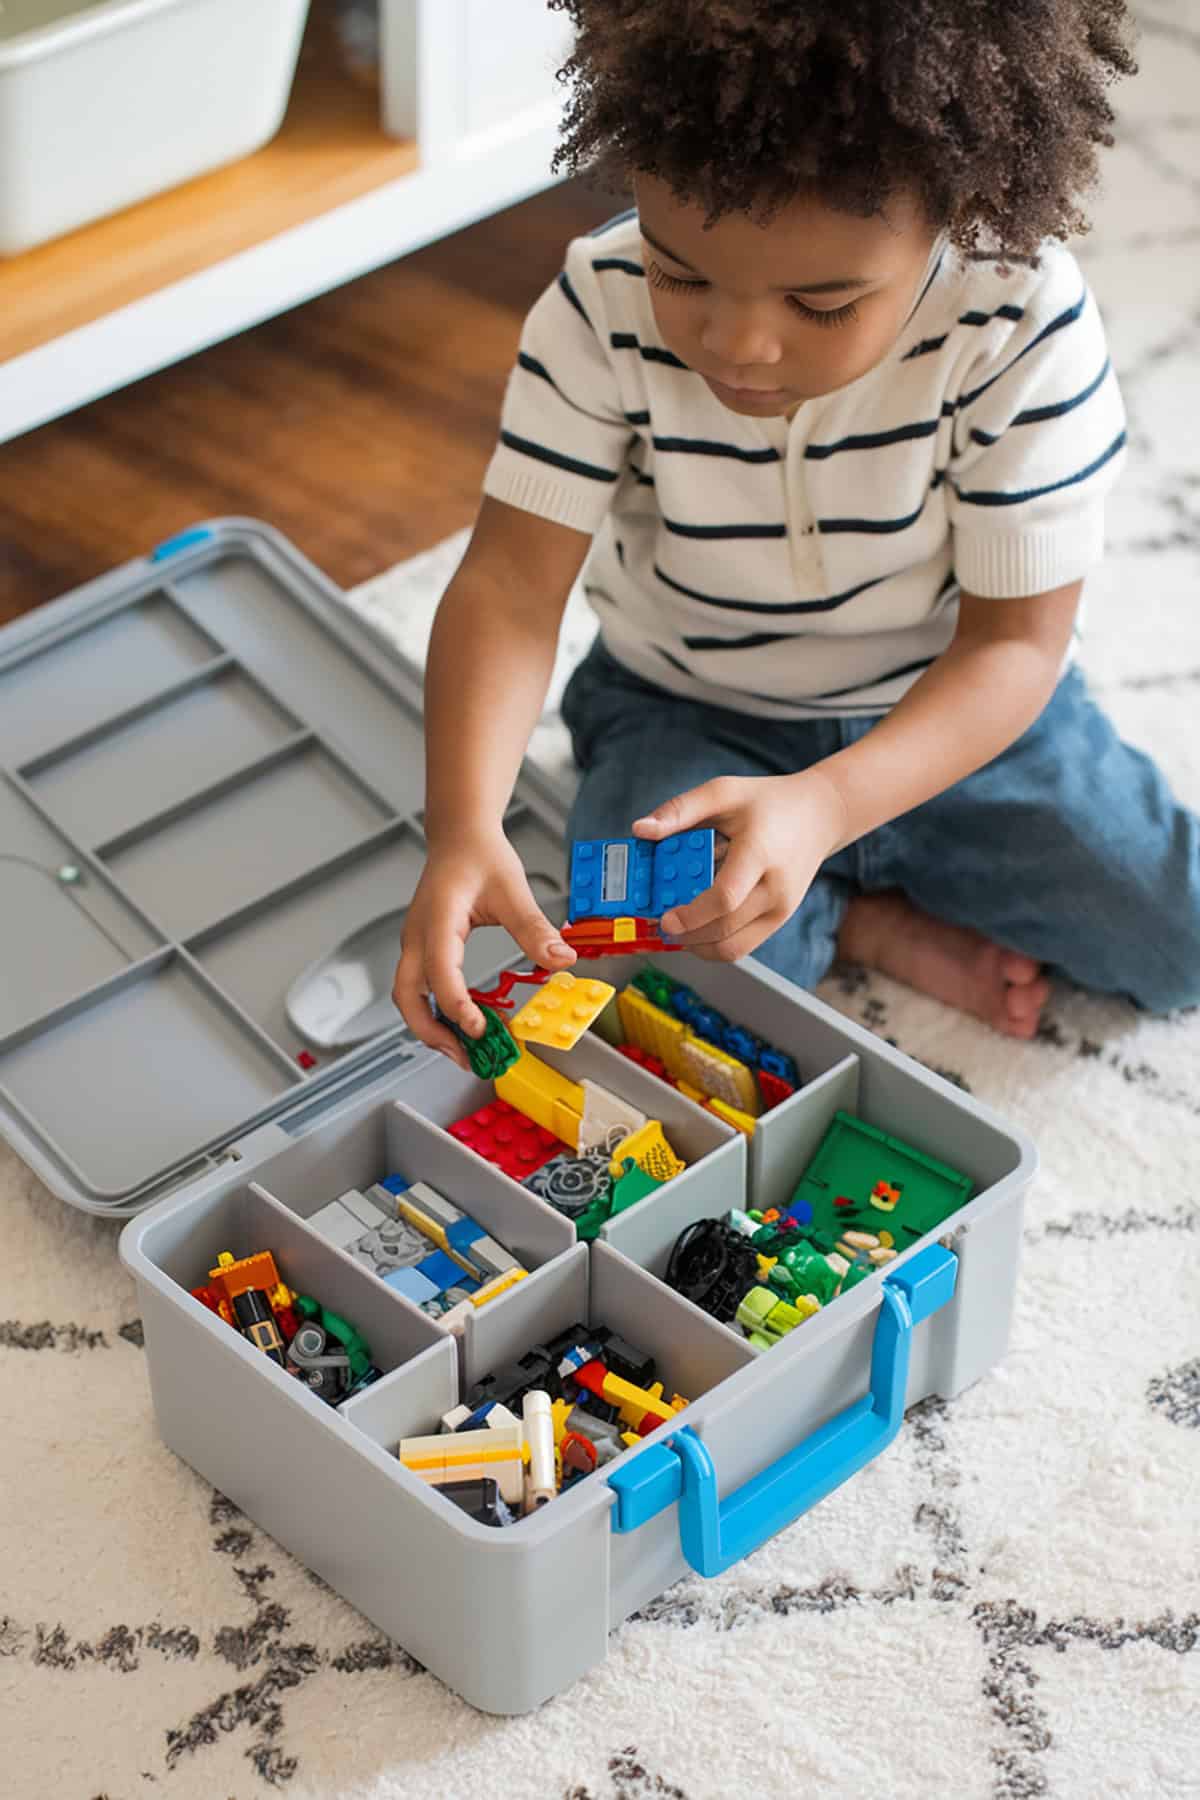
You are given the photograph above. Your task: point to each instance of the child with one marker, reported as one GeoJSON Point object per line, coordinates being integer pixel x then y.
{"type": "Point", "coordinates": [828, 423]}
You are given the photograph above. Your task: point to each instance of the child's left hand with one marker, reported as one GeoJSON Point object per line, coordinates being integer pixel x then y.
{"type": "Point", "coordinates": [780, 829]}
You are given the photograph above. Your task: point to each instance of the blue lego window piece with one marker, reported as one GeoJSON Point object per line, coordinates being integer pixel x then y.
{"type": "Point", "coordinates": [610, 878]}
{"type": "Point", "coordinates": [463, 1233]}
{"type": "Point", "coordinates": [708, 1024]}
{"type": "Point", "coordinates": [683, 868]}
{"type": "Point", "coordinates": [442, 1271]}
{"type": "Point", "coordinates": [395, 1184]}
{"type": "Point", "coordinates": [615, 878]}
{"type": "Point", "coordinates": [780, 1064]}
{"type": "Point", "coordinates": [413, 1285]}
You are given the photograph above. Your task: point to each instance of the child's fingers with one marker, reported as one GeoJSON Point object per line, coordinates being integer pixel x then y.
{"type": "Point", "coordinates": [707, 804]}
{"type": "Point", "coordinates": [525, 921]}
{"type": "Point", "coordinates": [739, 875]}
{"type": "Point", "coordinates": [743, 942]}
{"type": "Point", "coordinates": [722, 931]}
{"type": "Point", "coordinates": [443, 969]}
{"type": "Point", "coordinates": [409, 994]}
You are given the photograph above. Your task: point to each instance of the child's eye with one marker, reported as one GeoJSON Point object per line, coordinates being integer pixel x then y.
{"type": "Point", "coordinates": [838, 315]}
{"type": "Point", "coordinates": [672, 283]}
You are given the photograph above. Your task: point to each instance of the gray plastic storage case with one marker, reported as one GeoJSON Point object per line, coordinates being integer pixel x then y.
{"type": "Point", "coordinates": [210, 773]}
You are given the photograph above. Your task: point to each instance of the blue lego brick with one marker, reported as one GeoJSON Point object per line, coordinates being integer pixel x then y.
{"type": "Point", "coordinates": [708, 1024]}
{"type": "Point", "coordinates": [683, 868]}
{"type": "Point", "coordinates": [799, 1213]}
{"type": "Point", "coordinates": [684, 1002]}
{"type": "Point", "coordinates": [442, 1271]}
{"type": "Point", "coordinates": [413, 1285]}
{"type": "Point", "coordinates": [463, 1233]}
{"type": "Point", "coordinates": [735, 1040]}
{"type": "Point", "coordinates": [778, 1062]}
{"type": "Point", "coordinates": [611, 878]}
{"type": "Point", "coordinates": [395, 1184]}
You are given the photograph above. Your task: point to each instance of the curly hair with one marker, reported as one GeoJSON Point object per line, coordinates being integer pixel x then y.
{"type": "Point", "coordinates": [990, 111]}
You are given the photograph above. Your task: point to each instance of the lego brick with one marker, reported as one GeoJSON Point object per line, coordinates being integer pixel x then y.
{"type": "Point", "coordinates": [561, 1010]}
{"type": "Point", "coordinates": [603, 1113]}
{"type": "Point", "coordinates": [773, 1088]}
{"type": "Point", "coordinates": [462, 1235]}
{"type": "Point", "coordinates": [491, 1257]}
{"type": "Point", "coordinates": [683, 869]}
{"type": "Point", "coordinates": [718, 1074]}
{"type": "Point", "coordinates": [739, 1120]}
{"type": "Point", "coordinates": [365, 1209]}
{"type": "Point", "coordinates": [336, 1224]}
{"type": "Point", "coordinates": [649, 1150]}
{"type": "Point", "coordinates": [505, 1137]}
{"type": "Point", "coordinates": [479, 1499]}
{"type": "Point", "coordinates": [413, 1285]}
{"type": "Point", "coordinates": [544, 1096]}
{"type": "Point", "coordinates": [651, 1029]}
{"type": "Point", "coordinates": [610, 877]}
{"type": "Point", "coordinates": [394, 1184]}
{"type": "Point", "coordinates": [441, 1270]}
{"type": "Point", "coordinates": [433, 1204]}
{"type": "Point", "coordinates": [393, 1245]}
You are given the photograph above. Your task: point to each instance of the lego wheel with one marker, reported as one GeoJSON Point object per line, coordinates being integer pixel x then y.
{"type": "Point", "coordinates": [698, 1259]}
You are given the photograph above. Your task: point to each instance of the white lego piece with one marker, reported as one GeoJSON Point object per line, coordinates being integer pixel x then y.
{"type": "Point", "coordinates": [458, 1415]}
{"type": "Point", "coordinates": [540, 1485]}
{"type": "Point", "coordinates": [604, 1112]}
{"type": "Point", "coordinates": [336, 1224]}
{"type": "Point", "coordinates": [364, 1209]}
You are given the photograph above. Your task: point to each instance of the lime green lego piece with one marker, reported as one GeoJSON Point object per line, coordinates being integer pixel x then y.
{"type": "Point", "coordinates": [851, 1158]}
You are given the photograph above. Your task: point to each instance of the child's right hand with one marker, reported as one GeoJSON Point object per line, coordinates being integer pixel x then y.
{"type": "Point", "coordinates": [468, 881]}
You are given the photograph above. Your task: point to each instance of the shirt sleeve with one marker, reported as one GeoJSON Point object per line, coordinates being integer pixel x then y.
{"type": "Point", "coordinates": [563, 432]}
{"type": "Point", "coordinates": [1039, 440]}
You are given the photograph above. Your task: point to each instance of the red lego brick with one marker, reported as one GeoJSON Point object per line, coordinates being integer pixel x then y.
{"type": "Point", "coordinates": [653, 1065]}
{"type": "Point", "coordinates": [505, 1137]}
{"type": "Point", "coordinates": [307, 1060]}
{"type": "Point", "coordinates": [773, 1088]}
{"type": "Point", "coordinates": [842, 1202]}
{"type": "Point", "coordinates": [596, 937]}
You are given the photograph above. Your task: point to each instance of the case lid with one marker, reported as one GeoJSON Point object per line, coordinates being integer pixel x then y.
{"type": "Point", "coordinates": [211, 782]}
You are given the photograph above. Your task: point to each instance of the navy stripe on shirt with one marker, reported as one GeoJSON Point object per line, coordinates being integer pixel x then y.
{"type": "Point", "coordinates": [878, 527]}
{"type": "Point", "coordinates": [628, 340]}
{"type": "Point", "coordinates": [601, 264]}
{"type": "Point", "coordinates": [1007, 311]}
{"type": "Point", "coordinates": [1034, 414]}
{"type": "Point", "coordinates": [707, 447]}
{"type": "Point", "coordinates": [1064, 318]}
{"type": "Point", "coordinates": [573, 297]}
{"type": "Point", "coordinates": [773, 608]}
{"type": "Point", "coordinates": [982, 497]}
{"type": "Point", "coordinates": [724, 531]}
{"type": "Point", "coordinates": [555, 458]}
{"type": "Point", "coordinates": [925, 346]}
{"type": "Point", "coordinates": [872, 440]}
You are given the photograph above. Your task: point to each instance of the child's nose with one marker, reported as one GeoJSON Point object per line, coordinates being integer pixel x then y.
{"type": "Point", "coordinates": [739, 337]}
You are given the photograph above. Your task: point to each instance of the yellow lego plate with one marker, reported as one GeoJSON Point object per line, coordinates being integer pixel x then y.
{"type": "Point", "coordinates": [559, 1012]}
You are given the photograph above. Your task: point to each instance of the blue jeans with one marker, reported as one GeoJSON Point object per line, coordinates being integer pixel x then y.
{"type": "Point", "coordinates": [1069, 846]}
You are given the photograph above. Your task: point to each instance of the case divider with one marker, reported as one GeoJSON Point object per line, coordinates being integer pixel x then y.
{"type": "Point", "coordinates": [786, 1139]}
{"type": "Point", "coordinates": [291, 747]}
{"type": "Point", "coordinates": [394, 1328]}
{"type": "Point", "coordinates": [410, 1400]}
{"type": "Point", "coordinates": [93, 996]}
{"type": "Point", "coordinates": [245, 1023]}
{"type": "Point", "coordinates": [545, 1303]}
{"type": "Point", "coordinates": [141, 709]}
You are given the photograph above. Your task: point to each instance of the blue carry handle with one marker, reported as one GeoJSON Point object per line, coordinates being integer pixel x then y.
{"type": "Point", "coordinates": [714, 1533]}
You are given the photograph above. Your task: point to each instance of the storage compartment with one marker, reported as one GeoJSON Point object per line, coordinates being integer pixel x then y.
{"type": "Point", "coordinates": [104, 104]}
{"type": "Point", "coordinates": [144, 1074]}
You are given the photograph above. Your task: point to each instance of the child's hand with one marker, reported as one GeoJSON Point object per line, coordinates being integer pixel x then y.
{"type": "Point", "coordinates": [473, 880]}
{"type": "Point", "coordinates": [780, 829]}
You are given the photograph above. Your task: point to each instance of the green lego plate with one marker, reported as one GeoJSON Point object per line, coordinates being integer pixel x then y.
{"type": "Point", "coordinates": [853, 1158]}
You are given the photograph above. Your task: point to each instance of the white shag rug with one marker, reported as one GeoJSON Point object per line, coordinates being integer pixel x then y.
{"type": "Point", "coordinates": [1006, 1605]}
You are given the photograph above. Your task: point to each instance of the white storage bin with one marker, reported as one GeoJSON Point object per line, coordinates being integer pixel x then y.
{"type": "Point", "coordinates": [104, 104]}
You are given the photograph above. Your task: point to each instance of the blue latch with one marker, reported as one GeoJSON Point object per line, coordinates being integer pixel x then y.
{"type": "Point", "coordinates": [183, 540]}
{"type": "Point", "coordinates": [715, 1533]}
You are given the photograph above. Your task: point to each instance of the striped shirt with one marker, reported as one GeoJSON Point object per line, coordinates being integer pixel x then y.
{"type": "Point", "coordinates": [806, 567]}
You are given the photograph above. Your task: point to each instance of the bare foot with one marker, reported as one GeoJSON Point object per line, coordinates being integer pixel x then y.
{"type": "Point", "coordinates": [958, 966]}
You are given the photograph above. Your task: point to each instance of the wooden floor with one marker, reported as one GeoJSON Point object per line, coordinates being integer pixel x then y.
{"type": "Point", "coordinates": [359, 425]}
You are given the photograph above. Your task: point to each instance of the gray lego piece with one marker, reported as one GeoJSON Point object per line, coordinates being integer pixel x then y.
{"type": "Point", "coordinates": [336, 1224]}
